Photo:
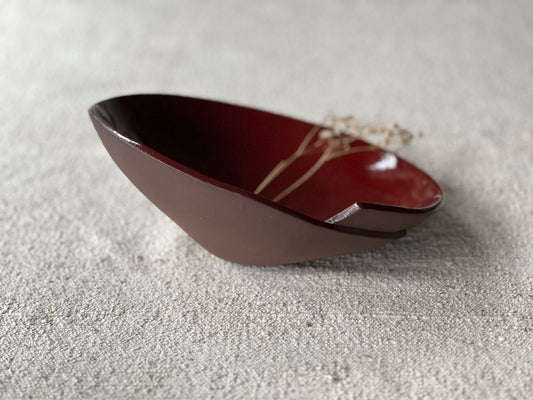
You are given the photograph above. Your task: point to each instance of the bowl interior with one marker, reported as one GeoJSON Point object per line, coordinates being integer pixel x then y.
{"type": "Point", "coordinates": [240, 146]}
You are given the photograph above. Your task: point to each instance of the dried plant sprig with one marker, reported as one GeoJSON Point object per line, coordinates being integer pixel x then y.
{"type": "Point", "coordinates": [335, 140]}
{"type": "Point", "coordinates": [283, 164]}
{"type": "Point", "coordinates": [327, 155]}
{"type": "Point", "coordinates": [310, 172]}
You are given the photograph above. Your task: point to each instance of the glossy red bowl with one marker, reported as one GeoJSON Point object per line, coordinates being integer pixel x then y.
{"type": "Point", "coordinates": [199, 161]}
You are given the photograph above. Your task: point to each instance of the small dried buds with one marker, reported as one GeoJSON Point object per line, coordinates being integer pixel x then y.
{"type": "Point", "coordinates": [348, 129]}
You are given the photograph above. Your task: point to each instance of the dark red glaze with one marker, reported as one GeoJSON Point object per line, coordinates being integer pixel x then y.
{"type": "Point", "coordinates": [177, 150]}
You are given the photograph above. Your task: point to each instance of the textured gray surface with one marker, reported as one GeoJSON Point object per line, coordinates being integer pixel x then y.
{"type": "Point", "coordinates": [101, 296]}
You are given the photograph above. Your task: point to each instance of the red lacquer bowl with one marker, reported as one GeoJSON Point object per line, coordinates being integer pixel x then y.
{"type": "Point", "coordinates": [199, 161]}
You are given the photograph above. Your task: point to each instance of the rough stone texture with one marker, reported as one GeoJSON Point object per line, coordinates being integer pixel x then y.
{"type": "Point", "coordinates": [102, 296]}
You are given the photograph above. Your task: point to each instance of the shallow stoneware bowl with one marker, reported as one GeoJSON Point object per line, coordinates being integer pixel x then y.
{"type": "Point", "coordinates": [199, 161]}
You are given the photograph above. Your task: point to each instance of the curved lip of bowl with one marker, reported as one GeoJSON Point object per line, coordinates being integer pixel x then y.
{"type": "Point", "coordinates": [94, 112]}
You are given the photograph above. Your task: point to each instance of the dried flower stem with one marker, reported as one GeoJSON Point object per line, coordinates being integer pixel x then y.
{"type": "Point", "coordinates": [310, 172]}
{"type": "Point", "coordinates": [283, 164]}
{"type": "Point", "coordinates": [353, 150]}
{"type": "Point", "coordinates": [329, 154]}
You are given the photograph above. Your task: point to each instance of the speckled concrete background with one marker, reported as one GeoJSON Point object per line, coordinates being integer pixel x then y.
{"type": "Point", "coordinates": [101, 296]}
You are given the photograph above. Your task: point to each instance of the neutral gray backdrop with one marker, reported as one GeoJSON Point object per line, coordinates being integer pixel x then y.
{"type": "Point", "coordinates": [102, 296]}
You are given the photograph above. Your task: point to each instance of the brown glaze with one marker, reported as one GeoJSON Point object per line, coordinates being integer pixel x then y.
{"type": "Point", "coordinates": [200, 160]}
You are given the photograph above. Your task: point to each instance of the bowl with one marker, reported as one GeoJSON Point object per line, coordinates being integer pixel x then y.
{"type": "Point", "coordinates": [200, 161]}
